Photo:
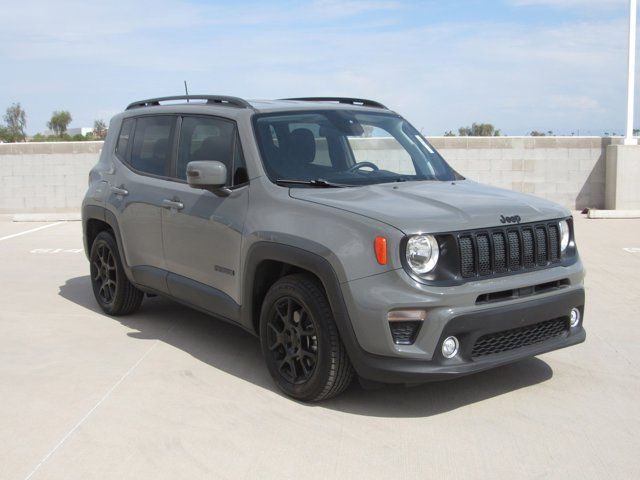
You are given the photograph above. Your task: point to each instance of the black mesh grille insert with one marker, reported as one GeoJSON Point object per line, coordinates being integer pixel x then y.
{"type": "Point", "coordinates": [554, 248]}
{"type": "Point", "coordinates": [404, 333]}
{"type": "Point", "coordinates": [515, 259]}
{"type": "Point", "coordinates": [541, 244]}
{"type": "Point", "coordinates": [499, 253]}
{"type": "Point", "coordinates": [527, 247]}
{"type": "Point", "coordinates": [508, 249]}
{"type": "Point", "coordinates": [519, 337]}
{"type": "Point", "coordinates": [467, 262]}
{"type": "Point", "coordinates": [484, 254]}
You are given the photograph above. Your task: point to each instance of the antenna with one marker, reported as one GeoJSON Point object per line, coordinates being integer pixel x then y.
{"type": "Point", "coordinates": [186, 90]}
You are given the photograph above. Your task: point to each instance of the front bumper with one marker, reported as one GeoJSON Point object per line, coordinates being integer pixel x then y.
{"type": "Point", "coordinates": [468, 327]}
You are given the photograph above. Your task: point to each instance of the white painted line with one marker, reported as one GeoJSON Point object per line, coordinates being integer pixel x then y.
{"type": "Point", "coordinates": [46, 217]}
{"type": "Point", "coordinates": [56, 250]}
{"type": "Point", "coordinates": [88, 414]}
{"type": "Point", "coordinates": [632, 249]}
{"type": "Point", "coordinates": [32, 230]}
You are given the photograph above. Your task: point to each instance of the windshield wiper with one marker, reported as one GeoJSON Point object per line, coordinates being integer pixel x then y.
{"type": "Point", "coordinates": [318, 182]}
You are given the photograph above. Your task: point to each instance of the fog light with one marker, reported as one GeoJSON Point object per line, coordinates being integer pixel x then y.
{"type": "Point", "coordinates": [574, 317]}
{"type": "Point", "coordinates": [450, 347]}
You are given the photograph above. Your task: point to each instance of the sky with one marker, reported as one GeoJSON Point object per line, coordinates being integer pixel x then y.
{"type": "Point", "coordinates": [521, 65]}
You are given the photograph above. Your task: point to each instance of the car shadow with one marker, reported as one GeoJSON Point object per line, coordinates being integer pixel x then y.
{"type": "Point", "coordinates": [237, 352]}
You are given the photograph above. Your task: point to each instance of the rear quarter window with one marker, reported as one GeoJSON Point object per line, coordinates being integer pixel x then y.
{"type": "Point", "coordinates": [122, 145]}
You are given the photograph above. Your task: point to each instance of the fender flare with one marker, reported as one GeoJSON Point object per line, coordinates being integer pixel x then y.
{"type": "Point", "coordinates": [100, 213]}
{"type": "Point", "coordinates": [306, 260]}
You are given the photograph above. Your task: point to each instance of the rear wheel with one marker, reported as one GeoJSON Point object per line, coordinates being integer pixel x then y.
{"type": "Point", "coordinates": [300, 340]}
{"type": "Point", "coordinates": [111, 287]}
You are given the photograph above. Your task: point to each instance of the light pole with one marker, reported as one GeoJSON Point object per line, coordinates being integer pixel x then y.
{"type": "Point", "coordinates": [633, 7]}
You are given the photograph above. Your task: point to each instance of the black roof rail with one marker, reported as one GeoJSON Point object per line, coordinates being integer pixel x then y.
{"type": "Point", "coordinates": [211, 100]}
{"type": "Point", "coordinates": [349, 101]}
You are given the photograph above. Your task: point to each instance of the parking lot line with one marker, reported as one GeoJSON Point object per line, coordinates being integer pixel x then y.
{"type": "Point", "coordinates": [29, 231]}
{"type": "Point", "coordinates": [93, 409]}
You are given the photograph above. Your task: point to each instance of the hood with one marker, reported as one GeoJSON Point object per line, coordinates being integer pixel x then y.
{"type": "Point", "coordinates": [432, 207]}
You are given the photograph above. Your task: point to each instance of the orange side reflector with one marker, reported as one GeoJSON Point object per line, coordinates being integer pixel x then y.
{"type": "Point", "coordinates": [380, 246]}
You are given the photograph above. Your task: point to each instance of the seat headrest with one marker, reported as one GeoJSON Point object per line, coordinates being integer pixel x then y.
{"type": "Point", "coordinates": [160, 148]}
{"type": "Point", "coordinates": [213, 148]}
{"type": "Point", "coordinates": [302, 148]}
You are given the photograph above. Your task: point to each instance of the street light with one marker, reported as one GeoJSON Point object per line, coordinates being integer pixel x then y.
{"type": "Point", "coordinates": [633, 7]}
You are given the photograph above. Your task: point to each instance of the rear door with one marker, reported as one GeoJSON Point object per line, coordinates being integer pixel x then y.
{"type": "Point", "coordinates": [145, 146]}
{"type": "Point", "coordinates": [202, 238]}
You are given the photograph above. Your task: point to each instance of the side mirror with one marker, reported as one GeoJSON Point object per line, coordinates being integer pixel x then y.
{"type": "Point", "coordinates": [208, 175]}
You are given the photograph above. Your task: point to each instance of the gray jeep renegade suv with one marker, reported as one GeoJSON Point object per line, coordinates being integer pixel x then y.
{"type": "Point", "coordinates": [332, 230]}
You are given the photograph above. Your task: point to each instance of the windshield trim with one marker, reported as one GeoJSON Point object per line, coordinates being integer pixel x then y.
{"type": "Point", "coordinates": [387, 113]}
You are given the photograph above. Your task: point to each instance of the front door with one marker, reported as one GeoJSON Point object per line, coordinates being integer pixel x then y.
{"type": "Point", "coordinates": [202, 232]}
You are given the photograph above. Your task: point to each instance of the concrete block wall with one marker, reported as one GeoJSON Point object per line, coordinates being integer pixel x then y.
{"type": "Point", "coordinates": [52, 177]}
{"type": "Point", "coordinates": [45, 177]}
{"type": "Point", "coordinates": [566, 170]}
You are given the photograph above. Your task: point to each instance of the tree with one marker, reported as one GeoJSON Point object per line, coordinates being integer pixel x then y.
{"type": "Point", "coordinates": [449, 133]}
{"type": "Point", "coordinates": [479, 130]}
{"type": "Point", "coordinates": [4, 134]}
{"type": "Point", "coordinates": [100, 129]}
{"type": "Point", "coordinates": [536, 133]}
{"type": "Point", "coordinates": [59, 122]}
{"type": "Point", "coordinates": [16, 120]}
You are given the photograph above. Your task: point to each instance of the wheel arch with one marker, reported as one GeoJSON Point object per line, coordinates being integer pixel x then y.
{"type": "Point", "coordinates": [96, 219]}
{"type": "Point", "coordinates": [266, 262]}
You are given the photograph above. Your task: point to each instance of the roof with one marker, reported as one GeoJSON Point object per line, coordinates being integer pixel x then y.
{"type": "Point", "coordinates": [287, 104]}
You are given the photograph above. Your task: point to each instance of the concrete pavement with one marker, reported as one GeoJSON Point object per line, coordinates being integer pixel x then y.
{"type": "Point", "coordinates": [171, 393]}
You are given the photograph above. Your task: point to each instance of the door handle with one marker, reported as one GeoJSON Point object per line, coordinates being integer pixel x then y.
{"type": "Point", "coordinates": [166, 203]}
{"type": "Point", "coordinates": [120, 191]}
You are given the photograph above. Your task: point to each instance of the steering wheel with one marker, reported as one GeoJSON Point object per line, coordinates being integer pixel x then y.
{"type": "Point", "coordinates": [360, 165]}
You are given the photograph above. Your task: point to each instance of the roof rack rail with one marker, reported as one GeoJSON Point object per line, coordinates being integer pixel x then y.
{"type": "Point", "coordinates": [363, 102]}
{"type": "Point", "coordinates": [211, 100]}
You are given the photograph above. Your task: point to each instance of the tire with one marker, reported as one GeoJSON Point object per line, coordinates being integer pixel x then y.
{"type": "Point", "coordinates": [111, 287]}
{"type": "Point", "coordinates": [300, 341]}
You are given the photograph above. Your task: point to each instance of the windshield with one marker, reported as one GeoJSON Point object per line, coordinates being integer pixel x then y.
{"type": "Point", "coordinates": [346, 147]}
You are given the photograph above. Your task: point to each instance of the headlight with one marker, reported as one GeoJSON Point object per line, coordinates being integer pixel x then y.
{"type": "Point", "coordinates": [422, 253]}
{"type": "Point", "coordinates": [564, 235]}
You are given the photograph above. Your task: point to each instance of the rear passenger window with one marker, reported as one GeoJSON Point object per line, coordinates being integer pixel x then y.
{"type": "Point", "coordinates": [205, 138]}
{"type": "Point", "coordinates": [123, 138]}
{"type": "Point", "coordinates": [152, 144]}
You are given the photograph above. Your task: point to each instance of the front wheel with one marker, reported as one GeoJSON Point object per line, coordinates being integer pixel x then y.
{"type": "Point", "coordinates": [300, 340]}
{"type": "Point", "coordinates": [111, 287]}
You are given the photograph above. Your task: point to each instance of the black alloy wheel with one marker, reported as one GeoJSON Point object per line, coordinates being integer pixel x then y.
{"type": "Point", "coordinates": [292, 340]}
{"type": "Point", "coordinates": [300, 341]}
{"type": "Point", "coordinates": [111, 287]}
{"type": "Point", "coordinates": [103, 274]}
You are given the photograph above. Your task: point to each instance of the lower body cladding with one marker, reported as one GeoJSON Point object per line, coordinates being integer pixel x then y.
{"type": "Point", "coordinates": [442, 334]}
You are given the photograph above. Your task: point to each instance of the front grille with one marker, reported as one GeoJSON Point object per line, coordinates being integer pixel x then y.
{"type": "Point", "coordinates": [527, 248]}
{"type": "Point", "coordinates": [514, 250]}
{"type": "Point", "coordinates": [554, 243]}
{"type": "Point", "coordinates": [499, 252]}
{"type": "Point", "coordinates": [484, 254]}
{"type": "Point", "coordinates": [508, 249]}
{"type": "Point", "coordinates": [466, 257]}
{"type": "Point", "coordinates": [519, 337]}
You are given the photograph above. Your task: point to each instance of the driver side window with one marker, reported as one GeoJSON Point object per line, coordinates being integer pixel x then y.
{"type": "Point", "coordinates": [205, 138]}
